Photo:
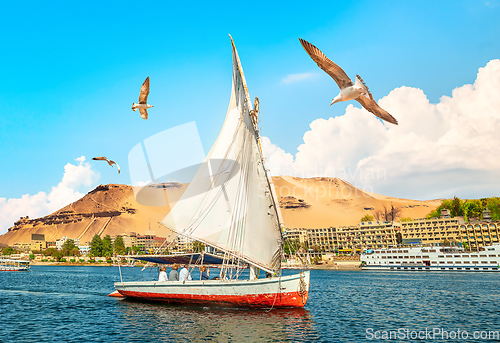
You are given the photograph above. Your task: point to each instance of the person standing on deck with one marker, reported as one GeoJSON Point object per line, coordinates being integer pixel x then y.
{"type": "Point", "coordinates": [184, 274]}
{"type": "Point", "coordinates": [174, 274]}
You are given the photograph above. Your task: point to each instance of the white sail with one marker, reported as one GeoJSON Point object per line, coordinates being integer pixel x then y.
{"type": "Point", "coordinates": [230, 203]}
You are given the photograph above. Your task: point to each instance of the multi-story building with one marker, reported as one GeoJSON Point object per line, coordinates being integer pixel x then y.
{"type": "Point", "coordinates": [60, 242]}
{"type": "Point", "coordinates": [349, 239]}
{"type": "Point", "coordinates": [84, 249]}
{"type": "Point", "coordinates": [368, 235]}
{"type": "Point", "coordinates": [296, 235]}
{"type": "Point", "coordinates": [37, 242]}
{"type": "Point", "coordinates": [182, 244]}
{"type": "Point", "coordinates": [432, 230]}
{"type": "Point", "coordinates": [129, 239]}
{"type": "Point", "coordinates": [324, 238]}
{"type": "Point", "coordinates": [145, 243]}
{"type": "Point", "coordinates": [24, 247]}
{"type": "Point", "coordinates": [477, 235]}
{"type": "Point", "coordinates": [383, 234]}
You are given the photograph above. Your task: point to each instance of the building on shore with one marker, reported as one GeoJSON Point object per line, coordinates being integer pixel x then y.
{"type": "Point", "coordinates": [60, 242]}
{"type": "Point", "coordinates": [348, 239]}
{"type": "Point", "coordinates": [477, 235]}
{"type": "Point", "coordinates": [383, 234]}
{"type": "Point", "coordinates": [432, 230]}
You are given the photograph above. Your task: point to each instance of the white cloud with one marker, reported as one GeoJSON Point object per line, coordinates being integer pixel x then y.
{"type": "Point", "coordinates": [293, 78]}
{"type": "Point", "coordinates": [438, 150]}
{"type": "Point", "coordinates": [74, 178]}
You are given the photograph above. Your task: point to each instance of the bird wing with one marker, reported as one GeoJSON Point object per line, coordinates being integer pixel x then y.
{"type": "Point", "coordinates": [144, 113]}
{"type": "Point", "coordinates": [143, 97]}
{"type": "Point", "coordinates": [113, 162]}
{"type": "Point", "coordinates": [371, 105]}
{"type": "Point", "coordinates": [100, 158]}
{"type": "Point", "coordinates": [332, 69]}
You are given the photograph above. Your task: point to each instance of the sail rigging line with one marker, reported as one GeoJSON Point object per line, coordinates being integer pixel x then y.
{"type": "Point", "coordinates": [214, 180]}
{"type": "Point", "coordinates": [241, 205]}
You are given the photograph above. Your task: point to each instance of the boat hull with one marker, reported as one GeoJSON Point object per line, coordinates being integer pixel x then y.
{"type": "Point", "coordinates": [290, 291]}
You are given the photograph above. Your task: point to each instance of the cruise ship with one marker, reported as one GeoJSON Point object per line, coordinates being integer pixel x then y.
{"type": "Point", "coordinates": [432, 258]}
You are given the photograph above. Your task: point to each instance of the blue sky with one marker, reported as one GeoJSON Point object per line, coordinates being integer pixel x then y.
{"type": "Point", "coordinates": [71, 70]}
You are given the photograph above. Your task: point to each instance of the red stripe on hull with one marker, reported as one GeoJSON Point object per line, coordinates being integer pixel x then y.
{"type": "Point", "coordinates": [290, 299]}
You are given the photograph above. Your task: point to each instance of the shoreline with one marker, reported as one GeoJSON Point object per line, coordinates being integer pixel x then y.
{"type": "Point", "coordinates": [334, 265]}
{"type": "Point", "coordinates": [339, 265]}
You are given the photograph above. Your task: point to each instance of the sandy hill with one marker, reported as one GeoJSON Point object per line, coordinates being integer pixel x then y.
{"type": "Point", "coordinates": [325, 202]}
{"type": "Point", "coordinates": [116, 209]}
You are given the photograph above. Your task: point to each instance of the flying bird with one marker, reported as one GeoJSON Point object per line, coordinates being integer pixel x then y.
{"type": "Point", "coordinates": [101, 158]}
{"type": "Point", "coordinates": [348, 90]}
{"type": "Point", "coordinates": [143, 100]}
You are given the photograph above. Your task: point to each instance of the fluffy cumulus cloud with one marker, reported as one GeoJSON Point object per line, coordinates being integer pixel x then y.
{"type": "Point", "coordinates": [75, 177]}
{"type": "Point", "coordinates": [437, 150]}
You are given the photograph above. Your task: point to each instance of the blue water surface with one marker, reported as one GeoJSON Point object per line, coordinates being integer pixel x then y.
{"type": "Point", "coordinates": [70, 304]}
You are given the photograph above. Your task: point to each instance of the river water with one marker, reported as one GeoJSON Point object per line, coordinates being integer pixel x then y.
{"type": "Point", "coordinates": [56, 303]}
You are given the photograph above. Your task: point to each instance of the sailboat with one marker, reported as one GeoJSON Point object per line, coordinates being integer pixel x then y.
{"type": "Point", "coordinates": [230, 205]}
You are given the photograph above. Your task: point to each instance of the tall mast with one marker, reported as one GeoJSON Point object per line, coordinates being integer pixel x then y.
{"type": "Point", "coordinates": [255, 123]}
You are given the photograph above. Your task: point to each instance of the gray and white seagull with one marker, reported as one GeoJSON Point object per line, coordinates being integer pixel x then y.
{"type": "Point", "coordinates": [348, 91]}
{"type": "Point", "coordinates": [143, 100]}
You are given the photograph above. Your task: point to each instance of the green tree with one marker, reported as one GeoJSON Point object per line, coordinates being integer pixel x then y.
{"type": "Point", "coordinates": [119, 245]}
{"type": "Point", "coordinates": [472, 209]}
{"type": "Point", "coordinates": [367, 218]}
{"type": "Point", "coordinates": [456, 207]}
{"type": "Point", "coordinates": [107, 247]}
{"type": "Point", "coordinates": [49, 252]}
{"type": "Point", "coordinates": [406, 219]}
{"type": "Point", "coordinates": [198, 246]}
{"type": "Point", "coordinates": [291, 246]}
{"type": "Point", "coordinates": [493, 204]}
{"type": "Point", "coordinates": [58, 255]}
{"type": "Point", "coordinates": [68, 246]}
{"type": "Point", "coordinates": [96, 246]}
{"type": "Point", "coordinates": [8, 251]}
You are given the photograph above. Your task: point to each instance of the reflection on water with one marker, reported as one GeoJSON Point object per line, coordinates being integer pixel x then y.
{"type": "Point", "coordinates": [201, 323]}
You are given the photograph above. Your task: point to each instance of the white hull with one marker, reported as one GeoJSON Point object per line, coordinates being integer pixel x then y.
{"type": "Point", "coordinates": [434, 258]}
{"type": "Point", "coordinates": [289, 291]}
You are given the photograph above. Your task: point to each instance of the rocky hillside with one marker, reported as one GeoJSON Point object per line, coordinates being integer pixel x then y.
{"type": "Point", "coordinates": [116, 209]}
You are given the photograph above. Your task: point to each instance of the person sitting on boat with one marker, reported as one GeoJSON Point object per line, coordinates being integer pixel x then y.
{"type": "Point", "coordinates": [174, 274]}
{"type": "Point", "coordinates": [184, 274]}
{"type": "Point", "coordinates": [163, 274]}
{"type": "Point", "coordinates": [203, 275]}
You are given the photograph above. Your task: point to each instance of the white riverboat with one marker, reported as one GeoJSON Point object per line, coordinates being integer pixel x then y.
{"type": "Point", "coordinates": [432, 258]}
{"type": "Point", "coordinates": [12, 265]}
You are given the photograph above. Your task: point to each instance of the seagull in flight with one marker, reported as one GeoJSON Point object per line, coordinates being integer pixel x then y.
{"type": "Point", "coordinates": [348, 90]}
{"type": "Point", "coordinates": [102, 158]}
{"type": "Point", "coordinates": [143, 100]}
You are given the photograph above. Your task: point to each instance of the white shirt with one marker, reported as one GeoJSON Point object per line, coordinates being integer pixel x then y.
{"type": "Point", "coordinates": [184, 275]}
{"type": "Point", "coordinates": [163, 276]}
